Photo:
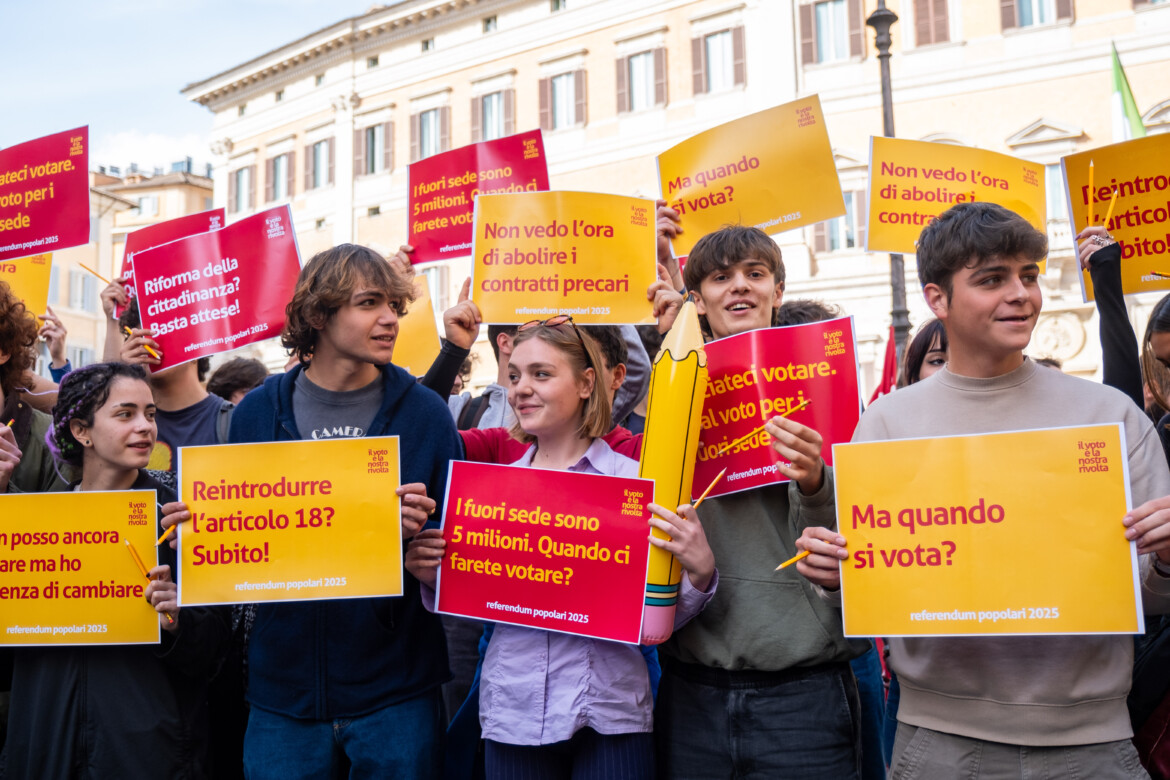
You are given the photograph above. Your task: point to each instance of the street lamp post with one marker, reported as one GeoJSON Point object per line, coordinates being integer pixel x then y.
{"type": "Point", "coordinates": [881, 20]}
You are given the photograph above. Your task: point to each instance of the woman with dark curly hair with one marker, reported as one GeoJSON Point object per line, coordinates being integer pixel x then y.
{"type": "Point", "coordinates": [25, 463]}
{"type": "Point", "coordinates": [115, 711]}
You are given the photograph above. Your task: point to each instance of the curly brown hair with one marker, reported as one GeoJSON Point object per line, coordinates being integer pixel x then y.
{"type": "Point", "coordinates": [325, 285]}
{"type": "Point", "coordinates": [18, 334]}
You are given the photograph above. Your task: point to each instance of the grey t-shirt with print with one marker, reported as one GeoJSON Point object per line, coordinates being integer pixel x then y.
{"type": "Point", "coordinates": [333, 414]}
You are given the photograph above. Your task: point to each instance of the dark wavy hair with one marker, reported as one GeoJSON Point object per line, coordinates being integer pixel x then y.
{"type": "Point", "coordinates": [931, 331]}
{"type": "Point", "coordinates": [1154, 373]}
{"type": "Point", "coordinates": [81, 394]}
{"type": "Point", "coordinates": [325, 285]}
{"type": "Point", "coordinates": [18, 334]}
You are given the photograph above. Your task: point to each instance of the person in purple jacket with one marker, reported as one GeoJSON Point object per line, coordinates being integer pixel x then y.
{"type": "Point", "coordinates": [557, 705]}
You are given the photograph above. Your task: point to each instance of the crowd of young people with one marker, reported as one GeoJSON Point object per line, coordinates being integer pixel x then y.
{"type": "Point", "coordinates": [756, 680]}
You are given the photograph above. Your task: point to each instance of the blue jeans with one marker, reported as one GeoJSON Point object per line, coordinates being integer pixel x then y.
{"type": "Point", "coordinates": [586, 756]}
{"type": "Point", "coordinates": [402, 740]}
{"type": "Point", "coordinates": [800, 723]}
{"type": "Point", "coordinates": [868, 671]}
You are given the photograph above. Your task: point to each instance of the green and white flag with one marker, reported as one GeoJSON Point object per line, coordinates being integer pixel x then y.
{"type": "Point", "coordinates": [1127, 120]}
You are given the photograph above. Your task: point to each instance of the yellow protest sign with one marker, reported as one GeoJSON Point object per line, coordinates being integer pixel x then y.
{"type": "Point", "coordinates": [1006, 533]}
{"type": "Point", "coordinates": [66, 577]}
{"type": "Point", "coordinates": [773, 169]}
{"type": "Point", "coordinates": [540, 254]}
{"type": "Point", "coordinates": [417, 344]}
{"type": "Point", "coordinates": [1137, 170]}
{"type": "Point", "coordinates": [290, 521]}
{"type": "Point", "coordinates": [29, 279]}
{"type": "Point", "coordinates": [912, 182]}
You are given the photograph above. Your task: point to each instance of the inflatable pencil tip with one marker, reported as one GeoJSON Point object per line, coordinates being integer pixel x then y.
{"type": "Point", "coordinates": [685, 336]}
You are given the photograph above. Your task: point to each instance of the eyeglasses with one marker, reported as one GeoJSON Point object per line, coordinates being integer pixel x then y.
{"type": "Point", "coordinates": [557, 322]}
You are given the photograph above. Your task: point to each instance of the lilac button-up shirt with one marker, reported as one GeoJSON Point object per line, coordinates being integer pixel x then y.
{"type": "Point", "coordinates": [540, 687]}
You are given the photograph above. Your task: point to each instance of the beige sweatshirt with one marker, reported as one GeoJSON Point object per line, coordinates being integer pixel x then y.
{"type": "Point", "coordinates": [1043, 690]}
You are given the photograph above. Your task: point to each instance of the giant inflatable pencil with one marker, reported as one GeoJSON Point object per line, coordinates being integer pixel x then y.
{"type": "Point", "coordinates": [669, 444]}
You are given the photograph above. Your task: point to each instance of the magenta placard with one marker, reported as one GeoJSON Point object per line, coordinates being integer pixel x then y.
{"type": "Point", "coordinates": [44, 194]}
{"type": "Point", "coordinates": [557, 550]}
{"type": "Point", "coordinates": [760, 374]}
{"type": "Point", "coordinates": [216, 291]}
{"type": "Point", "coordinates": [443, 189]}
{"type": "Point", "coordinates": [164, 233]}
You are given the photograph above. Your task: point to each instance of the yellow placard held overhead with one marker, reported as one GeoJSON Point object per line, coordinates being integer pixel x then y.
{"type": "Point", "coordinates": [773, 169]}
{"type": "Point", "coordinates": [66, 576]}
{"type": "Point", "coordinates": [912, 182]}
{"type": "Point", "coordinates": [541, 254]}
{"type": "Point", "coordinates": [1006, 533]}
{"type": "Point", "coordinates": [290, 521]}
{"type": "Point", "coordinates": [29, 279]}
{"type": "Point", "coordinates": [1139, 172]}
{"type": "Point", "coordinates": [417, 344]}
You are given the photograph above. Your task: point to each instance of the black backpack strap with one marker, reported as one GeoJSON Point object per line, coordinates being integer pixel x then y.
{"type": "Point", "coordinates": [471, 413]}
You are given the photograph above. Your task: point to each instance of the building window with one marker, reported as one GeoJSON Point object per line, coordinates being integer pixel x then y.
{"type": "Point", "coordinates": [493, 116]}
{"type": "Point", "coordinates": [54, 285]}
{"type": "Point", "coordinates": [208, 202]}
{"type": "Point", "coordinates": [1054, 192]}
{"type": "Point", "coordinates": [373, 149]}
{"type": "Point", "coordinates": [564, 97]}
{"type": "Point", "coordinates": [279, 177]}
{"type": "Point", "coordinates": [320, 223]}
{"type": "Point", "coordinates": [558, 5]}
{"type": "Point", "coordinates": [79, 357]}
{"type": "Point", "coordinates": [831, 31]}
{"type": "Point", "coordinates": [489, 24]}
{"type": "Point", "coordinates": [428, 133]}
{"type": "Point", "coordinates": [372, 62]}
{"type": "Point", "coordinates": [845, 232]}
{"type": "Point", "coordinates": [641, 72]}
{"type": "Point", "coordinates": [279, 95]}
{"type": "Point", "coordinates": [373, 211]}
{"type": "Point", "coordinates": [438, 285]}
{"type": "Point", "coordinates": [319, 164]}
{"type": "Point", "coordinates": [428, 44]}
{"type": "Point", "coordinates": [241, 109]}
{"type": "Point", "coordinates": [1032, 13]}
{"type": "Point", "coordinates": [148, 206]}
{"type": "Point", "coordinates": [717, 61]}
{"type": "Point", "coordinates": [240, 193]}
{"type": "Point", "coordinates": [931, 22]}
{"type": "Point", "coordinates": [319, 79]}
{"type": "Point", "coordinates": [375, 143]}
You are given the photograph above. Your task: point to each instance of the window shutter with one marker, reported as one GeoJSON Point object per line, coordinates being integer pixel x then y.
{"type": "Point", "coordinates": [291, 172]}
{"type": "Point", "coordinates": [477, 119]}
{"type": "Point", "coordinates": [942, 24]}
{"type": "Point", "coordinates": [698, 67]}
{"type": "Point", "coordinates": [546, 104]}
{"type": "Point", "coordinates": [622, 68]}
{"type": "Point", "coordinates": [1139, 3]}
{"type": "Point", "coordinates": [856, 29]}
{"type": "Point", "coordinates": [1007, 14]}
{"type": "Point", "coordinates": [820, 237]}
{"type": "Point", "coordinates": [579, 94]}
{"type": "Point", "coordinates": [415, 133]}
{"type": "Point", "coordinates": [1064, 9]}
{"type": "Point", "coordinates": [509, 111]}
{"type": "Point", "coordinates": [660, 94]}
{"type": "Point", "coordinates": [861, 215]}
{"type": "Point", "coordinates": [444, 128]}
{"type": "Point", "coordinates": [388, 146]}
{"type": "Point", "coordinates": [308, 167]}
{"type": "Point", "coordinates": [738, 65]}
{"type": "Point", "coordinates": [359, 152]}
{"type": "Point", "coordinates": [331, 152]}
{"type": "Point", "coordinates": [251, 187]}
{"type": "Point", "coordinates": [808, 41]}
{"type": "Point", "coordinates": [269, 184]}
{"type": "Point", "coordinates": [922, 23]}
{"type": "Point", "coordinates": [233, 195]}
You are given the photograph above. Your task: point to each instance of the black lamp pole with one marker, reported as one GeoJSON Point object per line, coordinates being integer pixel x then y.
{"type": "Point", "coordinates": [881, 20]}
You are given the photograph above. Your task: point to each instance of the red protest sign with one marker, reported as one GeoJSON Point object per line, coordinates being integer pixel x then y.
{"type": "Point", "coordinates": [557, 550]}
{"type": "Point", "coordinates": [164, 233]}
{"type": "Point", "coordinates": [443, 190]}
{"type": "Point", "coordinates": [760, 374]}
{"type": "Point", "coordinates": [216, 291]}
{"type": "Point", "coordinates": [44, 194]}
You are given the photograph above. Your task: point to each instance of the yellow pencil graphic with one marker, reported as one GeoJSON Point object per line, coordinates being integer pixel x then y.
{"type": "Point", "coordinates": [669, 444]}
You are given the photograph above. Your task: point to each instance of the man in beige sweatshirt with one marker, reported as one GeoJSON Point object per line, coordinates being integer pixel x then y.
{"type": "Point", "coordinates": [1026, 706]}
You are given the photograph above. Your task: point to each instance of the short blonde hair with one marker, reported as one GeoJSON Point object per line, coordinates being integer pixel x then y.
{"type": "Point", "coordinates": [582, 354]}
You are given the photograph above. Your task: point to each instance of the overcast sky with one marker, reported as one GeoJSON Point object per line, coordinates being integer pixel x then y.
{"type": "Point", "coordinates": [118, 66]}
